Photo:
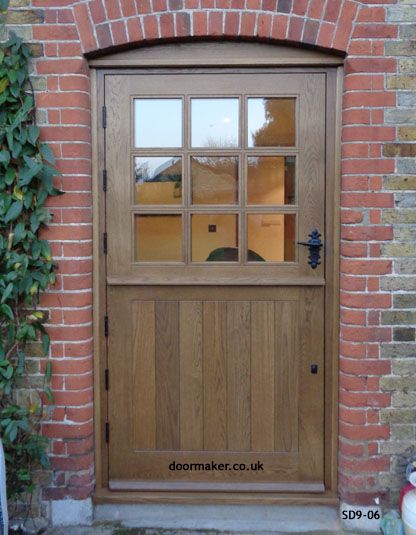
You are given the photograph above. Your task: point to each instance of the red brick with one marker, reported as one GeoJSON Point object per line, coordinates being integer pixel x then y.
{"type": "Point", "coordinates": [357, 432]}
{"type": "Point", "coordinates": [269, 5]}
{"type": "Point", "coordinates": [128, 8]}
{"type": "Point", "coordinates": [332, 11]}
{"type": "Point", "coordinates": [134, 30]}
{"type": "Point", "coordinates": [354, 183]}
{"type": "Point", "coordinates": [79, 382]}
{"type": "Point", "coordinates": [361, 233]}
{"type": "Point", "coordinates": [215, 23]}
{"type": "Point", "coordinates": [366, 267]}
{"type": "Point", "coordinates": [352, 284]}
{"type": "Point", "coordinates": [344, 25]}
{"type": "Point", "coordinates": [365, 367]}
{"type": "Point", "coordinates": [364, 81]}
{"type": "Point", "coordinates": [279, 27]}
{"type": "Point", "coordinates": [371, 14]}
{"type": "Point", "coordinates": [104, 36]}
{"type": "Point", "coordinates": [62, 66]}
{"type": "Point", "coordinates": [159, 5]}
{"type": "Point", "coordinates": [352, 450]}
{"type": "Point", "coordinates": [232, 23]}
{"type": "Point", "coordinates": [371, 99]}
{"type": "Point", "coordinates": [183, 24]}
{"type": "Point", "coordinates": [352, 350]}
{"type": "Point", "coordinates": [248, 21]}
{"type": "Point", "coordinates": [353, 317]}
{"type": "Point", "coordinates": [85, 28]}
{"type": "Point", "coordinates": [370, 165]}
{"type": "Point", "coordinates": [310, 32]}
{"type": "Point", "coordinates": [354, 200]}
{"type": "Point", "coordinates": [366, 334]}
{"type": "Point", "coordinates": [118, 29]}
{"type": "Point", "coordinates": [352, 249]}
{"type": "Point", "coordinates": [60, 32]}
{"type": "Point", "coordinates": [97, 11]}
{"type": "Point", "coordinates": [370, 65]}
{"type": "Point", "coordinates": [375, 31]}
{"type": "Point", "coordinates": [295, 29]}
{"type": "Point", "coordinates": [359, 300]}
{"type": "Point", "coordinates": [200, 23]}
{"type": "Point", "coordinates": [264, 25]}
{"type": "Point", "coordinates": [351, 217]}
{"type": "Point", "coordinates": [376, 464]}
{"type": "Point", "coordinates": [316, 9]}
{"type": "Point", "coordinates": [113, 9]}
{"type": "Point", "coordinates": [326, 34]}
{"type": "Point", "coordinates": [167, 25]}
{"type": "Point", "coordinates": [300, 7]}
{"type": "Point", "coordinates": [151, 30]}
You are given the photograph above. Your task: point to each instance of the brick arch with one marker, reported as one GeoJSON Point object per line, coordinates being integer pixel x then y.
{"type": "Point", "coordinates": [108, 24]}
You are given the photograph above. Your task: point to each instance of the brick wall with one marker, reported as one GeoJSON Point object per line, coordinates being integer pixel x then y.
{"type": "Point", "coordinates": [378, 282]}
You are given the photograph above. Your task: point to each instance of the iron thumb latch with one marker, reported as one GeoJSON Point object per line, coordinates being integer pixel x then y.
{"type": "Point", "coordinates": [314, 243]}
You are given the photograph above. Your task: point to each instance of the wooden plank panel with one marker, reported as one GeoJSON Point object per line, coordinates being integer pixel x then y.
{"type": "Point", "coordinates": [311, 395]}
{"type": "Point", "coordinates": [167, 375]}
{"type": "Point", "coordinates": [215, 370]}
{"type": "Point", "coordinates": [191, 386]}
{"type": "Point", "coordinates": [262, 376]}
{"type": "Point", "coordinates": [143, 388]}
{"type": "Point", "coordinates": [286, 375]}
{"type": "Point", "coordinates": [238, 376]}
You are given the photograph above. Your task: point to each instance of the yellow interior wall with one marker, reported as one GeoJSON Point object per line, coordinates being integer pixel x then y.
{"type": "Point", "coordinates": [158, 238]}
{"type": "Point", "coordinates": [266, 181]}
{"type": "Point", "coordinates": [204, 242]}
{"type": "Point", "coordinates": [266, 236]}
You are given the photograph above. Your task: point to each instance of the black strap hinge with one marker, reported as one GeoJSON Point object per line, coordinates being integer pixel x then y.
{"type": "Point", "coordinates": [106, 327]}
{"type": "Point", "coordinates": [104, 179]}
{"type": "Point", "coordinates": [107, 432]}
{"type": "Point", "coordinates": [106, 379]}
{"type": "Point", "coordinates": [105, 243]}
{"type": "Point", "coordinates": [104, 117]}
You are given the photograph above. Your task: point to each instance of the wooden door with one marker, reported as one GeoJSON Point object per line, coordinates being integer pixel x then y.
{"type": "Point", "coordinates": [216, 315]}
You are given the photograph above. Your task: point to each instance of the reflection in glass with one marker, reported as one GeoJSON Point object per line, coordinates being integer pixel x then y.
{"type": "Point", "coordinates": [214, 237]}
{"type": "Point", "coordinates": [157, 122]}
{"type": "Point", "coordinates": [214, 122]}
{"type": "Point", "coordinates": [158, 180]}
{"type": "Point", "coordinates": [271, 122]}
{"type": "Point", "coordinates": [271, 237]}
{"type": "Point", "coordinates": [158, 238]}
{"type": "Point", "coordinates": [214, 179]}
{"type": "Point", "coordinates": [271, 180]}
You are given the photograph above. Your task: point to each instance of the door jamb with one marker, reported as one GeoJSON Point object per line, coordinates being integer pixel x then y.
{"type": "Point", "coordinates": [333, 145]}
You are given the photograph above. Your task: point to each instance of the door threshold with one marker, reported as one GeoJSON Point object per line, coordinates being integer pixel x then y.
{"type": "Point", "coordinates": [229, 518]}
{"type": "Point", "coordinates": [105, 496]}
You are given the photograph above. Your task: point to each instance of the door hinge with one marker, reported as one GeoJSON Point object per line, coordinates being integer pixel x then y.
{"type": "Point", "coordinates": [105, 243]}
{"type": "Point", "coordinates": [104, 179]}
{"type": "Point", "coordinates": [104, 116]}
{"type": "Point", "coordinates": [106, 326]}
{"type": "Point", "coordinates": [107, 432]}
{"type": "Point", "coordinates": [106, 379]}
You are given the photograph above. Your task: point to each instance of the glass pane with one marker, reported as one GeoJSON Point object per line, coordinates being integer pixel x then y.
{"type": "Point", "coordinates": [157, 122]}
{"type": "Point", "coordinates": [214, 179]}
{"type": "Point", "coordinates": [214, 238]}
{"type": "Point", "coordinates": [271, 180]}
{"type": "Point", "coordinates": [271, 122]}
{"type": "Point", "coordinates": [271, 237]}
{"type": "Point", "coordinates": [158, 180]}
{"type": "Point", "coordinates": [215, 122]}
{"type": "Point", "coordinates": [158, 238]}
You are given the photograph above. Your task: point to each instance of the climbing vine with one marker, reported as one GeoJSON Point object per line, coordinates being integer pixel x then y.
{"type": "Point", "coordinates": [26, 269]}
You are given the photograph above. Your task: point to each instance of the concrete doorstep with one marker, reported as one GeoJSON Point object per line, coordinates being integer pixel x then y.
{"type": "Point", "coordinates": [172, 519]}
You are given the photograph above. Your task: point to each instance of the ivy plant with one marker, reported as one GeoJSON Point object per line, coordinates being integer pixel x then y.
{"type": "Point", "coordinates": [26, 268]}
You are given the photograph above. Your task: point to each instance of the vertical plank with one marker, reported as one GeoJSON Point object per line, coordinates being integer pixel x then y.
{"type": "Point", "coordinates": [143, 390]}
{"type": "Point", "coordinates": [262, 376]}
{"type": "Point", "coordinates": [191, 394]}
{"type": "Point", "coordinates": [215, 369]}
{"type": "Point", "coordinates": [311, 395]}
{"type": "Point", "coordinates": [167, 375]}
{"type": "Point", "coordinates": [238, 376]}
{"type": "Point", "coordinates": [286, 375]}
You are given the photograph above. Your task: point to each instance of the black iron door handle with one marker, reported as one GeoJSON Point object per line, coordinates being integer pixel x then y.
{"type": "Point", "coordinates": [314, 243]}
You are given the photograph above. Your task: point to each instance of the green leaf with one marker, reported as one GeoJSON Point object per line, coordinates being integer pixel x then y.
{"type": "Point", "coordinates": [33, 133]}
{"type": "Point", "coordinates": [4, 4]}
{"type": "Point", "coordinates": [45, 344]}
{"type": "Point", "coordinates": [48, 371]}
{"type": "Point", "coordinates": [4, 156]}
{"type": "Point", "coordinates": [14, 211]}
{"type": "Point", "coordinates": [47, 153]}
{"type": "Point", "coordinates": [6, 311]}
{"type": "Point", "coordinates": [10, 175]}
{"type": "Point", "coordinates": [49, 394]}
{"type": "Point", "coordinates": [7, 292]}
